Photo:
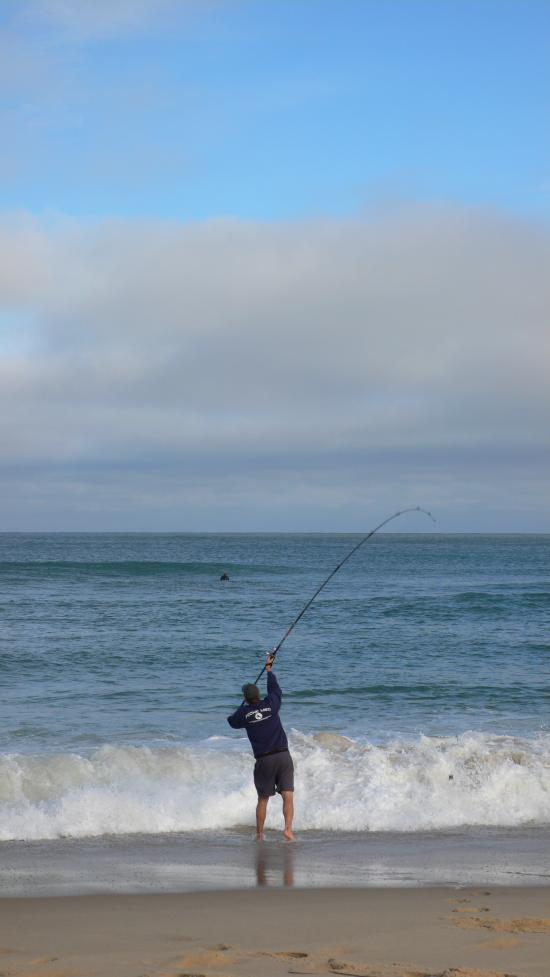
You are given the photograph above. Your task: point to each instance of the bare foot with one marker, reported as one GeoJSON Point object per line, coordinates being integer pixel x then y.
{"type": "Point", "coordinates": [287, 833]}
{"type": "Point", "coordinates": [260, 836]}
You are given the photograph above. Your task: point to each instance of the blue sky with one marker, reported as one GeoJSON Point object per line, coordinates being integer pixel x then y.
{"type": "Point", "coordinates": [272, 109]}
{"type": "Point", "coordinates": [274, 264]}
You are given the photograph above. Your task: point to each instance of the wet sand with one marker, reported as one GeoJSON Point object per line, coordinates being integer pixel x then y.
{"type": "Point", "coordinates": [413, 932]}
{"type": "Point", "coordinates": [228, 860]}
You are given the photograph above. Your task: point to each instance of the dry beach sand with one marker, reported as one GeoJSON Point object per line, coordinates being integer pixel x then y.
{"type": "Point", "coordinates": [417, 932]}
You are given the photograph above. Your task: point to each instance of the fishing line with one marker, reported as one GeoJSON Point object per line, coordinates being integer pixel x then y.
{"type": "Point", "coordinates": [331, 574]}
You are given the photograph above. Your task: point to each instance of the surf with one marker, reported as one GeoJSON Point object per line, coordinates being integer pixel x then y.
{"type": "Point", "coordinates": [346, 785]}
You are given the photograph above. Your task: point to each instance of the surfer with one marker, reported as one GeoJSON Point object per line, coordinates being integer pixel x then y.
{"type": "Point", "coordinates": [224, 577]}
{"type": "Point", "coordinates": [274, 769]}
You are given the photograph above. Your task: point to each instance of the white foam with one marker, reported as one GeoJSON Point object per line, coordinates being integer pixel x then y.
{"type": "Point", "coordinates": [342, 785]}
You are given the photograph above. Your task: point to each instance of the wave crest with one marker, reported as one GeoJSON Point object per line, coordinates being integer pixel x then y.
{"type": "Point", "coordinates": [342, 785]}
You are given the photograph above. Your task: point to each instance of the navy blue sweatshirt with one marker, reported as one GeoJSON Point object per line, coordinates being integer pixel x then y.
{"type": "Point", "coordinates": [261, 721]}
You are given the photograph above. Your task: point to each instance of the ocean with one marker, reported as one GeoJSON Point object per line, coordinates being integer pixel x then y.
{"type": "Point", "coordinates": [416, 698]}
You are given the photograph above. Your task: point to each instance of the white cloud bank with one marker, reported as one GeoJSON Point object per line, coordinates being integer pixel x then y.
{"type": "Point", "coordinates": [313, 375]}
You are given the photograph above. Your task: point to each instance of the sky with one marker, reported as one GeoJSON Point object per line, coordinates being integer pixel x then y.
{"type": "Point", "coordinates": [274, 265]}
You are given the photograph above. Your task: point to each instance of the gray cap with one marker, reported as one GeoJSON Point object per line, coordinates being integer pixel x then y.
{"type": "Point", "coordinates": [251, 692]}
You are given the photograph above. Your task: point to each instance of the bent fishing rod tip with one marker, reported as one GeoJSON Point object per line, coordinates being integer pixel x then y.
{"type": "Point", "coordinates": [426, 513]}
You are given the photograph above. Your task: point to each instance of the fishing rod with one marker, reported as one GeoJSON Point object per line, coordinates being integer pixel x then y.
{"type": "Point", "coordinates": [289, 631]}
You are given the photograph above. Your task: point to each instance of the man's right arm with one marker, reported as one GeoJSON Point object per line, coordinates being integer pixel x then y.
{"type": "Point", "coordinates": [274, 692]}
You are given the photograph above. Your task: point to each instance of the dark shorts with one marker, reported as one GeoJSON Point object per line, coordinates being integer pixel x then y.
{"type": "Point", "coordinates": [274, 773]}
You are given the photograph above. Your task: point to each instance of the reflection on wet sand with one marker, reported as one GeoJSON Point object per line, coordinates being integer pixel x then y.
{"type": "Point", "coordinates": [275, 865]}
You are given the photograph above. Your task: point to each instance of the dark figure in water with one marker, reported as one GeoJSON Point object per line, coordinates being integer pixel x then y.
{"type": "Point", "coordinates": [224, 577]}
{"type": "Point", "coordinates": [274, 770]}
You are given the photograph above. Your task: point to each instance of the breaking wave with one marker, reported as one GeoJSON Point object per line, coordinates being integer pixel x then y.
{"type": "Point", "coordinates": [428, 784]}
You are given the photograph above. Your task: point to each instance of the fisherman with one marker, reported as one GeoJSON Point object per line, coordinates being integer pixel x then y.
{"type": "Point", "coordinates": [274, 769]}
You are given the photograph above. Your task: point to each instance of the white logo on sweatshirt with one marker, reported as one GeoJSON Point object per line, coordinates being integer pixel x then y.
{"type": "Point", "coordinates": [258, 715]}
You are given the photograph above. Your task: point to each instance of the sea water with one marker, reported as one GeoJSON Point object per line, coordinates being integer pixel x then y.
{"type": "Point", "coordinates": [416, 698]}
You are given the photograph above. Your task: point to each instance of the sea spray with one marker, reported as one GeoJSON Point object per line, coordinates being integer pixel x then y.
{"type": "Point", "coordinates": [426, 784]}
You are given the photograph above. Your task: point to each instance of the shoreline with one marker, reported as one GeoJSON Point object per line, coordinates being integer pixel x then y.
{"type": "Point", "coordinates": [385, 932]}
{"type": "Point", "coordinates": [190, 862]}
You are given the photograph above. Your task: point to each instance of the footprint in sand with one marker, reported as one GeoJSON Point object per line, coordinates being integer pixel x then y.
{"type": "Point", "coordinates": [523, 925]}
{"type": "Point", "coordinates": [368, 970]}
{"type": "Point", "coordinates": [364, 970]}
{"type": "Point", "coordinates": [471, 909]}
{"type": "Point", "coordinates": [283, 954]}
{"type": "Point", "coordinates": [460, 972]}
{"type": "Point", "coordinates": [338, 967]}
{"type": "Point", "coordinates": [192, 963]}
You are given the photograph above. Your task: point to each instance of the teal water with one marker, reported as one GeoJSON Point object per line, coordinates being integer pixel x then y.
{"type": "Point", "coordinates": [133, 638]}
{"type": "Point", "coordinates": [121, 656]}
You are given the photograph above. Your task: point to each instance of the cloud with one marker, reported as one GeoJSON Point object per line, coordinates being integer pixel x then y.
{"type": "Point", "coordinates": [274, 374]}
{"type": "Point", "coordinates": [82, 19]}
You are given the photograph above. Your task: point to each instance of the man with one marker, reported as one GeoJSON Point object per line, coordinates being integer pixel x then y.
{"type": "Point", "coordinates": [274, 770]}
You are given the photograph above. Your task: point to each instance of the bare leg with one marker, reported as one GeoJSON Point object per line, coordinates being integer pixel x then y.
{"type": "Point", "coordinates": [288, 813]}
{"type": "Point", "coordinates": [261, 811]}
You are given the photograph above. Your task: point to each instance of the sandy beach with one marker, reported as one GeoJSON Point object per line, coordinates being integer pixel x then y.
{"type": "Point", "coordinates": [372, 932]}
